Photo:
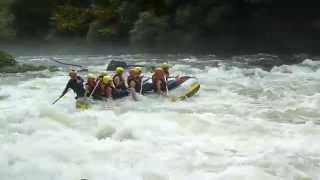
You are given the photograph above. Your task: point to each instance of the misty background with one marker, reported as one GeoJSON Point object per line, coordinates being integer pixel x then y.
{"type": "Point", "coordinates": [220, 26]}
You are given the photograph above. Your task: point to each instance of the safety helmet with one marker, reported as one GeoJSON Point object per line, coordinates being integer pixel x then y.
{"type": "Point", "coordinates": [132, 71]}
{"type": "Point", "coordinates": [91, 76]}
{"type": "Point", "coordinates": [119, 70]}
{"type": "Point", "coordinates": [72, 72]}
{"type": "Point", "coordinates": [164, 66]}
{"type": "Point", "coordinates": [138, 69]}
{"type": "Point", "coordinates": [106, 79]}
{"type": "Point", "coordinates": [103, 73]}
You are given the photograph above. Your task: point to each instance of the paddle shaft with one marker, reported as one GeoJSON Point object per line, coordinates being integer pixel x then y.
{"type": "Point", "coordinates": [95, 88]}
{"type": "Point", "coordinates": [167, 89]}
{"type": "Point", "coordinates": [57, 100]}
{"type": "Point", "coordinates": [142, 82]}
{"type": "Point", "coordinates": [141, 85]}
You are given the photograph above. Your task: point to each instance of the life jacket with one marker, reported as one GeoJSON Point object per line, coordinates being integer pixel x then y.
{"type": "Point", "coordinates": [105, 88]}
{"type": "Point", "coordinates": [137, 81]}
{"type": "Point", "coordinates": [167, 74]}
{"type": "Point", "coordinates": [121, 84]}
{"type": "Point", "coordinates": [154, 84]}
{"type": "Point", "coordinates": [91, 85]}
{"type": "Point", "coordinates": [159, 75]}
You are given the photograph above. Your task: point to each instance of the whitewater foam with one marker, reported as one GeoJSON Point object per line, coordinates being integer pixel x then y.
{"type": "Point", "coordinates": [245, 123]}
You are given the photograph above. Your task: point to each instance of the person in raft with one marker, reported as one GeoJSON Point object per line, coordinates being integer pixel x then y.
{"type": "Point", "coordinates": [118, 79]}
{"type": "Point", "coordinates": [159, 82]}
{"type": "Point", "coordinates": [76, 84]}
{"type": "Point", "coordinates": [92, 87]}
{"type": "Point", "coordinates": [134, 83]}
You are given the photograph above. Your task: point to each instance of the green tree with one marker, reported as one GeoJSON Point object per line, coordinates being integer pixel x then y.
{"type": "Point", "coordinates": [31, 17]}
{"type": "Point", "coordinates": [6, 31]}
{"type": "Point", "coordinates": [148, 29]}
{"type": "Point", "coordinates": [128, 13]}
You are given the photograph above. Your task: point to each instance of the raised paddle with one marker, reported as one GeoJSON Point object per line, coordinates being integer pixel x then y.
{"type": "Point", "coordinates": [95, 88]}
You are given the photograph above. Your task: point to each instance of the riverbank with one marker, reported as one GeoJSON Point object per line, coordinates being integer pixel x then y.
{"type": "Point", "coordinates": [8, 64]}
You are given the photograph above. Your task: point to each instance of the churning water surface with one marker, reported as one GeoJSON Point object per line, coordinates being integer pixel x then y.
{"type": "Point", "coordinates": [244, 123]}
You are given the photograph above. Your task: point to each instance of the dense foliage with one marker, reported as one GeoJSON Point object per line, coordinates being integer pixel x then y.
{"type": "Point", "coordinates": [168, 23]}
{"type": "Point", "coordinates": [6, 59]}
{"type": "Point", "coordinates": [6, 32]}
{"type": "Point", "coordinates": [8, 64]}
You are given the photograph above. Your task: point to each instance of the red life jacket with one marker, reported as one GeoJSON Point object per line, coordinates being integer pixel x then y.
{"type": "Point", "coordinates": [91, 85]}
{"type": "Point", "coordinates": [154, 84]}
{"type": "Point", "coordinates": [105, 90]}
{"type": "Point", "coordinates": [121, 84]}
{"type": "Point", "coordinates": [159, 75]}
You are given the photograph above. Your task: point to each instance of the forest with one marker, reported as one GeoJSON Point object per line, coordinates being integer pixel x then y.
{"type": "Point", "coordinates": [232, 25]}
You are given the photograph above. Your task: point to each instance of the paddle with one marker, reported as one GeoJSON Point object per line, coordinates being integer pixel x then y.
{"type": "Point", "coordinates": [61, 96]}
{"type": "Point", "coordinates": [95, 88]}
{"type": "Point", "coordinates": [167, 89]}
{"type": "Point", "coordinates": [141, 86]}
{"type": "Point", "coordinates": [54, 102]}
{"type": "Point", "coordinates": [144, 81]}
{"type": "Point", "coordinates": [83, 69]}
{"type": "Point", "coordinates": [184, 77]}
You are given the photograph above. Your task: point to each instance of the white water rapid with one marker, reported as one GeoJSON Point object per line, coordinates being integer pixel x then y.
{"type": "Point", "coordinates": [244, 124]}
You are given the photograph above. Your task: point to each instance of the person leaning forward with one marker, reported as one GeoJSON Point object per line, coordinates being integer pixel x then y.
{"type": "Point", "coordinates": [76, 84]}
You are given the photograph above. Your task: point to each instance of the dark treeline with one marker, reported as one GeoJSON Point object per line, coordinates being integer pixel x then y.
{"type": "Point", "coordinates": [231, 25]}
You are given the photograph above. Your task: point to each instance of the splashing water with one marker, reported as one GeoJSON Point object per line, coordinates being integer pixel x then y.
{"type": "Point", "coordinates": [245, 123]}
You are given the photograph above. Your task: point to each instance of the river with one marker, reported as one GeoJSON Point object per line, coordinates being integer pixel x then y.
{"type": "Point", "coordinates": [245, 123]}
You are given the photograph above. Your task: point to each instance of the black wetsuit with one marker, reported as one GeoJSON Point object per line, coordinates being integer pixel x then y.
{"type": "Point", "coordinates": [77, 86]}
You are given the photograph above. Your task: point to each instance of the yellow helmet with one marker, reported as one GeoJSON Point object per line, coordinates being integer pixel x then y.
{"type": "Point", "coordinates": [119, 70]}
{"type": "Point", "coordinates": [164, 66]}
{"type": "Point", "coordinates": [138, 69]}
{"type": "Point", "coordinates": [133, 70]}
{"type": "Point", "coordinates": [103, 73]}
{"type": "Point", "coordinates": [91, 76]}
{"type": "Point", "coordinates": [106, 79]}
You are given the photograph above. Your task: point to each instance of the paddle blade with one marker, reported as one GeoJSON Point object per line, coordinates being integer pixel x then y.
{"type": "Point", "coordinates": [82, 104]}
